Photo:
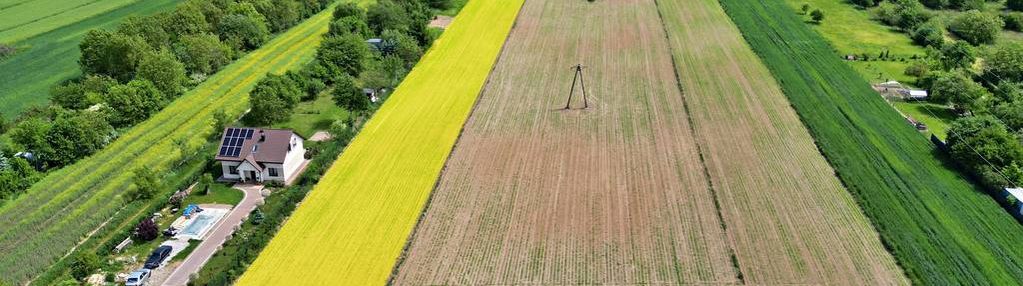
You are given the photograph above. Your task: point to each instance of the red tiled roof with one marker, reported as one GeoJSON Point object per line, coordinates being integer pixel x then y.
{"type": "Point", "coordinates": [271, 146]}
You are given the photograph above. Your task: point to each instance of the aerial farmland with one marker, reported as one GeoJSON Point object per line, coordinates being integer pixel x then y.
{"type": "Point", "coordinates": [519, 142]}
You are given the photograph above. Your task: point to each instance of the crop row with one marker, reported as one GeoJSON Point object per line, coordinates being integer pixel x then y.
{"type": "Point", "coordinates": [66, 205]}
{"type": "Point", "coordinates": [354, 223]}
{"type": "Point", "coordinates": [31, 18]}
{"type": "Point", "coordinates": [941, 228]}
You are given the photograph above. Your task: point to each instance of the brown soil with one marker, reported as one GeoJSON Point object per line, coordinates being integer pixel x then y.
{"type": "Point", "coordinates": [612, 194]}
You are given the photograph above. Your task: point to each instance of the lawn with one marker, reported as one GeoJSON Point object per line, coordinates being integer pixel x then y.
{"type": "Point", "coordinates": [57, 212]}
{"type": "Point", "coordinates": [941, 228]}
{"type": "Point", "coordinates": [219, 194]}
{"type": "Point", "coordinates": [937, 117]}
{"type": "Point", "coordinates": [49, 58]}
{"type": "Point", "coordinates": [315, 115]}
{"type": "Point", "coordinates": [852, 31]}
{"type": "Point", "coordinates": [352, 227]}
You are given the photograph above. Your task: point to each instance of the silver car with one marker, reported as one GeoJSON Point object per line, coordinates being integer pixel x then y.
{"type": "Point", "coordinates": [138, 278]}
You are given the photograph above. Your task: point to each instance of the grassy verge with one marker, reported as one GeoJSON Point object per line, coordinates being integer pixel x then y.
{"type": "Point", "coordinates": [219, 194]}
{"type": "Point", "coordinates": [941, 228]}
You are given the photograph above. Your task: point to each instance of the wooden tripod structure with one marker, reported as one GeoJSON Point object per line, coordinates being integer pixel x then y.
{"type": "Point", "coordinates": [577, 77]}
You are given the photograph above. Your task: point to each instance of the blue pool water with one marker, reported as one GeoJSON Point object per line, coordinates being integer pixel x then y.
{"type": "Point", "coordinates": [200, 223]}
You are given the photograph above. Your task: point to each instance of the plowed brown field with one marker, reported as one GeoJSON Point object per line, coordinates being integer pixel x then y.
{"type": "Point", "coordinates": [787, 215]}
{"type": "Point", "coordinates": [619, 193]}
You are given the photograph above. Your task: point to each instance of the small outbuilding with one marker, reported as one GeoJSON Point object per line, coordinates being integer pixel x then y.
{"type": "Point", "coordinates": [1014, 198]}
{"type": "Point", "coordinates": [376, 44]}
{"type": "Point", "coordinates": [371, 93]}
{"type": "Point", "coordinates": [914, 94]}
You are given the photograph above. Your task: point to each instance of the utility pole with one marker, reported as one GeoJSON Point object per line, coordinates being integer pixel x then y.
{"type": "Point", "coordinates": [577, 77]}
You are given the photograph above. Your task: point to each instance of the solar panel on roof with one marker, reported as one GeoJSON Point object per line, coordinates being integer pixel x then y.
{"type": "Point", "coordinates": [248, 134]}
{"type": "Point", "coordinates": [223, 151]}
{"type": "Point", "coordinates": [236, 152]}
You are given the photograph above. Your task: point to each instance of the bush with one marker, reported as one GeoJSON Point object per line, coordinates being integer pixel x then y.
{"type": "Point", "coordinates": [273, 99]}
{"type": "Point", "coordinates": [976, 27]}
{"type": "Point", "coordinates": [343, 54]}
{"type": "Point", "coordinates": [84, 264]}
{"type": "Point", "coordinates": [146, 230]}
{"type": "Point", "coordinates": [349, 96]}
{"type": "Point", "coordinates": [1004, 63]}
{"type": "Point", "coordinates": [1013, 21]}
{"type": "Point", "coordinates": [929, 34]}
{"type": "Point", "coordinates": [1015, 5]}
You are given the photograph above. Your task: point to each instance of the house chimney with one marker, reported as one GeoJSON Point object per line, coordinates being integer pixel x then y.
{"type": "Point", "coordinates": [262, 137]}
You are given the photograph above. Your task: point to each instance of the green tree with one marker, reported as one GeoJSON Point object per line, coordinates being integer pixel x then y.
{"type": "Point", "coordinates": [349, 24]}
{"type": "Point", "coordinates": [272, 99]}
{"type": "Point", "coordinates": [146, 27]}
{"type": "Point", "coordinates": [931, 34]}
{"type": "Point", "coordinates": [804, 9]}
{"type": "Point", "coordinates": [147, 185]}
{"type": "Point", "coordinates": [905, 14]}
{"type": "Point", "coordinates": [186, 19]}
{"type": "Point", "coordinates": [75, 135]}
{"type": "Point", "coordinates": [280, 14]}
{"type": "Point", "coordinates": [206, 183]}
{"type": "Point", "coordinates": [349, 96]}
{"type": "Point", "coordinates": [817, 16]}
{"type": "Point", "coordinates": [1010, 113]}
{"type": "Point", "coordinates": [935, 4]}
{"type": "Point", "coordinates": [966, 5]}
{"type": "Point", "coordinates": [81, 94]}
{"type": "Point", "coordinates": [387, 15]}
{"type": "Point", "coordinates": [203, 53]}
{"type": "Point", "coordinates": [957, 90]}
{"type": "Point", "coordinates": [133, 102]}
{"type": "Point", "coordinates": [344, 54]}
{"type": "Point", "coordinates": [1005, 63]}
{"type": "Point", "coordinates": [164, 71]}
{"type": "Point", "coordinates": [84, 264]}
{"type": "Point", "coordinates": [1015, 5]}
{"type": "Point", "coordinates": [112, 54]}
{"type": "Point", "coordinates": [403, 46]}
{"type": "Point", "coordinates": [957, 55]}
{"type": "Point", "coordinates": [1013, 21]}
{"type": "Point", "coordinates": [984, 145]}
{"type": "Point", "coordinates": [349, 9]}
{"type": "Point", "coordinates": [30, 134]}
{"type": "Point", "coordinates": [976, 27]}
{"type": "Point", "coordinates": [1007, 92]}
{"type": "Point", "coordinates": [244, 32]}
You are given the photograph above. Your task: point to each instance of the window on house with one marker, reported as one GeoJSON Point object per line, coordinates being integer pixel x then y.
{"type": "Point", "coordinates": [273, 172]}
{"type": "Point", "coordinates": [233, 170]}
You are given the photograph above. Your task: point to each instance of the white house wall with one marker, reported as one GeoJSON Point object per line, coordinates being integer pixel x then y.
{"type": "Point", "coordinates": [294, 158]}
{"type": "Point", "coordinates": [225, 167]}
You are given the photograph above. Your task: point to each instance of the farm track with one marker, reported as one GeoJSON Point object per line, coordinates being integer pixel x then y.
{"type": "Point", "coordinates": [614, 194]}
{"type": "Point", "coordinates": [789, 218]}
{"type": "Point", "coordinates": [630, 191]}
{"type": "Point", "coordinates": [57, 211]}
{"type": "Point", "coordinates": [352, 226]}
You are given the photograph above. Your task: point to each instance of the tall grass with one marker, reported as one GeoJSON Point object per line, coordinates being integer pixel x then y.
{"type": "Point", "coordinates": [940, 227]}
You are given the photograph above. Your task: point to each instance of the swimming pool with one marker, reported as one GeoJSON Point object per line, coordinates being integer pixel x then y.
{"type": "Point", "coordinates": [200, 223]}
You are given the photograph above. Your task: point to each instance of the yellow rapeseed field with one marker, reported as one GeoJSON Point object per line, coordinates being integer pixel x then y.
{"type": "Point", "coordinates": [352, 227]}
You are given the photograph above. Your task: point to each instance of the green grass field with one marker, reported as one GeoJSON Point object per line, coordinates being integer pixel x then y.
{"type": "Point", "coordinates": [315, 115]}
{"type": "Point", "coordinates": [52, 216]}
{"type": "Point", "coordinates": [219, 194]}
{"type": "Point", "coordinates": [942, 229]}
{"type": "Point", "coordinates": [25, 19]}
{"type": "Point", "coordinates": [935, 116]}
{"type": "Point", "coordinates": [49, 58]}
{"type": "Point", "coordinates": [852, 31]}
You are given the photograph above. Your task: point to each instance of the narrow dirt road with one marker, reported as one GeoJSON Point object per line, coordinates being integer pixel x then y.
{"type": "Point", "coordinates": [216, 238]}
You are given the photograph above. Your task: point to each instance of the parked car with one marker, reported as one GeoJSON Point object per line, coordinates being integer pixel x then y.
{"type": "Point", "coordinates": [137, 278]}
{"type": "Point", "coordinates": [157, 257]}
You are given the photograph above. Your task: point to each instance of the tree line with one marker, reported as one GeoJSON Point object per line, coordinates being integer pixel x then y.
{"type": "Point", "coordinates": [348, 62]}
{"type": "Point", "coordinates": [132, 72]}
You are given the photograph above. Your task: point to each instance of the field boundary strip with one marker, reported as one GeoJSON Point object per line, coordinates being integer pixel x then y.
{"type": "Point", "coordinates": [352, 227]}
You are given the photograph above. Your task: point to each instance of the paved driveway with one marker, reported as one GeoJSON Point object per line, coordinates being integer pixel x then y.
{"type": "Point", "coordinates": [216, 238]}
